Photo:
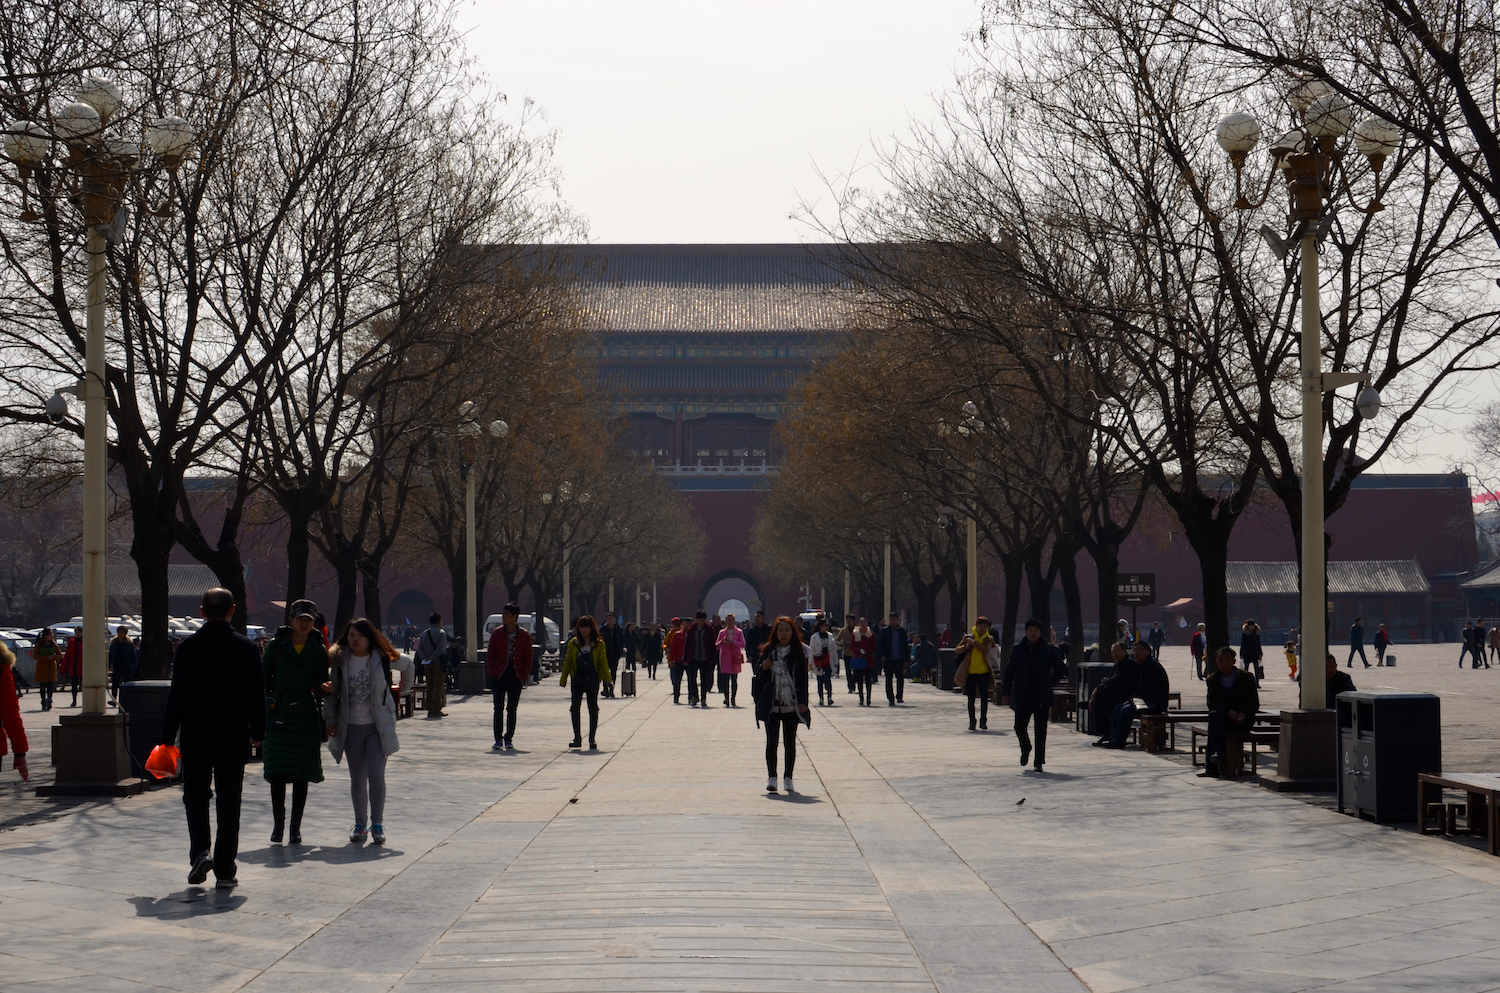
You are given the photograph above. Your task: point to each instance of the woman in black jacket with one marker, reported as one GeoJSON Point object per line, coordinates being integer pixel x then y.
{"type": "Point", "coordinates": [781, 697]}
{"type": "Point", "coordinates": [1251, 650]}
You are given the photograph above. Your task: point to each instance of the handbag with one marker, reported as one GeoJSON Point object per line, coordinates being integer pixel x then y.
{"type": "Point", "coordinates": [164, 761]}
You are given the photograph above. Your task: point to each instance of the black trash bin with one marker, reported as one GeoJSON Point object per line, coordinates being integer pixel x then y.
{"type": "Point", "coordinates": [1090, 675]}
{"type": "Point", "coordinates": [145, 703]}
{"type": "Point", "coordinates": [947, 668]}
{"type": "Point", "coordinates": [1385, 740]}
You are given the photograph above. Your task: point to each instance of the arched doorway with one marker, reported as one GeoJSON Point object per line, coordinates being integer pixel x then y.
{"type": "Point", "coordinates": [731, 585]}
{"type": "Point", "coordinates": [410, 607]}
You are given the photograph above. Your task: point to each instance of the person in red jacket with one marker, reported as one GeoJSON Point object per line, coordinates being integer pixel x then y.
{"type": "Point", "coordinates": [72, 664]}
{"type": "Point", "coordinates": [508, 663]}
{"type": "Point", "coordinates": [10, 715]}
{"type": "Point", "coordinates": [676, 645]}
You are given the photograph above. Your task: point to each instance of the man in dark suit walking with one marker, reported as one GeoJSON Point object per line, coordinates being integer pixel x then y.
{"type": "Point", "coordinates": [218, 702]}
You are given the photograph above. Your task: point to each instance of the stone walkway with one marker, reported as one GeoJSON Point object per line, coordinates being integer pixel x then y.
{"type": "Point", "coordinates": [915, 856]}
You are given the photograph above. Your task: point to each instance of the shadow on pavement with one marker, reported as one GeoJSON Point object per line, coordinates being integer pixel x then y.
{"type": "Point", "coordinates": [279, 856]}
{"type": "Point", "coordinates": [793, 797]}
{"type": "Point", "coordinates": [195, 901]}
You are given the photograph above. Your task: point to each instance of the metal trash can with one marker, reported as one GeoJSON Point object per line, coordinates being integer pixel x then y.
{"type": "Point", "coordinates": [1385, 740]}
{"type": "Point", "coordinates": [947, 668]}
{"type": "Point", "coordinates": [145, 703]}
{"type": "Point", "coordinates": [1090, 675]}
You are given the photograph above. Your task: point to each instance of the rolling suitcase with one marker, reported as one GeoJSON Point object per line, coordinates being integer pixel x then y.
{"type": "Point", "coordinates": [627, 683]}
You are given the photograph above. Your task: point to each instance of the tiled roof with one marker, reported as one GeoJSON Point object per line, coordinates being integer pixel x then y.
{"type": "Point", "coordinates": [1344, 578]}
{"type": "Point", "coordinates": [185, 580]}
{"type": "Point", "coordinates": [714, 288]}
{"type": "Point", "coordinates": [1485, 578]}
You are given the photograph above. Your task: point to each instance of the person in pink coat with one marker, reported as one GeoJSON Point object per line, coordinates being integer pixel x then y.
{"type": "Point", "coordinates": [731, 642]}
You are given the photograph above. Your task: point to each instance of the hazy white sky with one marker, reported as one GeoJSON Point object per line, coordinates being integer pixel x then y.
{"type": "Point", "coordinates": [704, 120]}
{"type": "Point", "coordinates": [710, 120]}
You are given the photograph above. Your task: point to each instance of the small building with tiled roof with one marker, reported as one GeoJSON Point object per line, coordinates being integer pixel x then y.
{"type": "Point", "coordinates": [1395, 593]}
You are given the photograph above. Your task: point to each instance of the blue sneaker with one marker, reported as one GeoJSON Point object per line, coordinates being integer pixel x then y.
{"type": "Point", "coordinates": [357, 834]}
{"type": "Point", "coordinates": [377, 834]}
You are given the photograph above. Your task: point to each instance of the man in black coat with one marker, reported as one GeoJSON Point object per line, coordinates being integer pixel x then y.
{"type": "Point", "coordinates": [1120, 686]}
{"type": "Point", "coordinates": [613, 637]}
{"type": "Point", "coordinates": [1233, 699]}
{"type": "Point", "coordinates": [218, 702]}
{"type": "Point", "coordinates": [893, 648]}
{"type": "Point", "coordinates": [1152, 687]}
{"type": "Point", "coordinates": [756, 636]}
{"type": "Point", "coordinates": [1026, 687]}
{"type": "Point", "coordinates": [1337, 682]}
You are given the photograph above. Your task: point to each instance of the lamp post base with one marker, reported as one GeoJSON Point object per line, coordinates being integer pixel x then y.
{"type": "Point", "coordinates": [92, 758]}
{"type": "Point", "coordinates": [1307, 761]}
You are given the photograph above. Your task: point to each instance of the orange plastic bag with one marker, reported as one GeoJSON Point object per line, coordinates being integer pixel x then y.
{"type": "Point", "coordinates": [163, 761]}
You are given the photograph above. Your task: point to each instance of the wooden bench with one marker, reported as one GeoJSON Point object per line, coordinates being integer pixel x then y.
{"type": "Point", "coordinates": [1481, 790]}
{"type": "Point", "coordinates": [1064, 704]}
{"type": "Point", "coordinates": [1259, 735]}
{"type": "Point", "coordinates": [407, 704]}
{"type": "Point", "coordinates": [1157, 727]}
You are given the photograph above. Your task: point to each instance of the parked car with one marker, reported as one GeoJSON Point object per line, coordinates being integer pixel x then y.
{"type": "Point", "coordinates": [25, 665]}
{"type": "Point", "coordinates": [527, 621]}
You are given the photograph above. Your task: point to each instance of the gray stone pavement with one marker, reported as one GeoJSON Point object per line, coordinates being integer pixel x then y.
{"type": "Point", "coordinates": [907, 861]}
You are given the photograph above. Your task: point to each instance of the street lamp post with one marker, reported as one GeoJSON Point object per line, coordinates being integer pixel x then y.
{"type": "Point", "coordinates": [1312, 166]}
{"type": "Point", "coordinates": [101, 173]}
{"type": "Point", "coordinates": [469, 432]}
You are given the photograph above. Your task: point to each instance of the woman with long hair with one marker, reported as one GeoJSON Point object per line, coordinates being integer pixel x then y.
{"type": "Point", "coordinates": [731, 645]}
{"type": "Point", "coordinates": [587, 664]}
{"type": "Point", "coordinates": [781, 698]}
{"type": "Point", "coordinates": [361, 713]}
{"type": "Point", "coordinates": [46, 654]}
{"type": "Point", "coordinates": [651, 649]}
{"type": "Point", "coordinates": [823, 648]}
{"type": "Point", "coordinates": [295, 666]}
{"type": "Point", "coordinates": [11, 727]}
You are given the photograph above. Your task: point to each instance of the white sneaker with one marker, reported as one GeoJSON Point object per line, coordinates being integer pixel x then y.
{"type": "Point", "coordinates": [770, 784]}
{"type": "Point", "coordinates": [786, 784]}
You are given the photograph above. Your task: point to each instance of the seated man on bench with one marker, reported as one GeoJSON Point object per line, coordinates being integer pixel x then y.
{"type": "Point", "coordinates": [1233, 699]}
{"type": "Point", "coordinates": [1338, 681]}
{"type": "Point", "coordinates": [1119, 687]}
{"type": "Point", "coordinates": [1153, 688]}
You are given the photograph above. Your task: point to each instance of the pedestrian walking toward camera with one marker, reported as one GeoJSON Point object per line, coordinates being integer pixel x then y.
{"type": "Point", "coordinates": [676, 645]}
{"type": "Point", "coordinates": [432, 656]}
{"type": "Point", "coordinates": [1026, 687]}
{"type": "Point", "coordinates": [1251, 649]}
{"type": "Point", "coordinates": [123, 660]}
{"type": "Point", "coordinates": [361, 714]}
{"type": "Point", "coordinates": [508, 663]}
{"type": "Point", "coordinates": [47, 655]}
{"type": "Point", "coordinates": [1156, 639]}
{"type": "Point", "coordinates": [978, 660]}
{"type": "Point", "coordinates": [862, 661]}
{"type": "Point", "coordinates": [702, 658]}
{"type": "Point", "coordinates": [1382, 642]}
{"type": "Point", "coordinates": [731, 645]}
{"type": "Point", "coordinates": [823, 647]}
{"type": "Point", "coordinates": [72, 664]}
{"type": "Point", "coordinates": [1481, 636]}
{"type": "Point", "coordinates": [218, 703]}
{"type": "Point", "coordinates": [757, 636]}
{"type": "Point", "coordinates": [781, 699]}
{"type": "Point", "coordinates": [1356, 644]}
{"type": "Point", "coordinates": [651, 649]}
{"type": "Point", "coordinates": [613, 637]}
{"type": "Point", "coordinates": [295, 669]}
{"type": "Point", "coordinates": [845, 638]}
{"type": "Point", "coordinates": [587, 664]}
{"type": "Point", "coordinates": [12, 729]}
{"type": "Point", "coordinates": [894, 650]}
{"type": "Point", "coordinates": [1198, 646]}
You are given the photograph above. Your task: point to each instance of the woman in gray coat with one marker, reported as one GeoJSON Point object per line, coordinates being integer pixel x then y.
{"type": "Point", "coordinates": [361, 713]}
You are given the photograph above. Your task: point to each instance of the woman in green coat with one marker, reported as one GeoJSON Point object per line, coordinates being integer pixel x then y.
{"type": "Point", "coordinates": [296, 667]}
{"type": "Point", "coordinates": [587, 664]}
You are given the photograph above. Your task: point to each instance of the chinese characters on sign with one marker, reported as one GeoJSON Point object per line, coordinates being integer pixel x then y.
{"type": "Point", "coordinates": [1136, 589]}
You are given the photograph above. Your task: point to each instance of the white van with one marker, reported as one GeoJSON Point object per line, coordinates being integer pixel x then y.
{"type": "Point", "coordinates": [527, 621]}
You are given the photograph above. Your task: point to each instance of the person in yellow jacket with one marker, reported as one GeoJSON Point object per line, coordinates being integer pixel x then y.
{"type": "Point", "coordinates": [978, 661]}
{"type": "Point", "coordinates": [586, 677]}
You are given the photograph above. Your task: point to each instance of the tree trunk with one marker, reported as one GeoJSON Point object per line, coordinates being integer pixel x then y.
{"type": "Point", "coordinates": [958, 597]}
{"type": "Point", "coordinates": [1039, 585]}
{"type": "Point", "coordinates": [151, 549]}
{"type": "Point", "coordinates": [1011, 566]}
{"type": "Point", "coordinates": [346, 570]}
{"type": "Point", "coordinates": [1067, 561]}
{"type": "Point", "coordinates": [298, 548]}
{"type": "Point", "coordinates": [1107, 567]}
{"type": "Point", "coordinates": [1212, 546]}
{"type": "Point", "coordinates": [370, 573]}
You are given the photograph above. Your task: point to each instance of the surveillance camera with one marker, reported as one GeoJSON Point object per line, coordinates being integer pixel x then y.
{"type": "Point", "coordinates": [57, 408]}
{"type": "Point", "coordinates": [943, 521]}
